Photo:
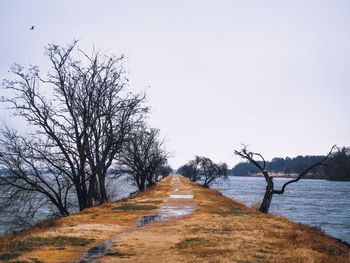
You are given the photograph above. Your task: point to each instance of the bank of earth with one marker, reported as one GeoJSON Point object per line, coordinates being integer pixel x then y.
{"type": "Point", "coordinates": [175, 221]}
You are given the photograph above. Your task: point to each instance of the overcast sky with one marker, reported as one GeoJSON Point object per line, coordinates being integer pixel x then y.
{"type": "Point", "coordinates": [271, 74]}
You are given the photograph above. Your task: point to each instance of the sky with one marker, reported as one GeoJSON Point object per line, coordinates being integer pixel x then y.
{"type": "Point", "coordinates": [273, 75]}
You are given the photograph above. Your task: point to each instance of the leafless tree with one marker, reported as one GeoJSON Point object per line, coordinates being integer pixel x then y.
{"type": "Point", "coordinates": [164, 171]}
{"type": "Point", "coordinates": [261, 165]}
{"type": "Point", "coordinates": [81, 114]}
{"type": "Point", "coordinates": [191, 169]}
{"type": "Point", "coordinates": [203, 169]}
{"type": "Point", "coordinates": [194, 166]}
{"type": "Point", "coordinates": [28, 173]}
{"type": "Point", "coordinates": [188, 171]}
{"type": "Point", "coordinates": [210, 171]}
{"type": "Point", "coordinates": [21, 209]}
{"type": "Point", "coordinates": [143, 157]}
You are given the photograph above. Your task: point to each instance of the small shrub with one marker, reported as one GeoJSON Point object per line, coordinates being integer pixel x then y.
{"type": "Point", "coordinates": [151, 202]}
{"type": "Point", "coordinates": [57, 241]}
{"type": "Point", "coordinates": [132, 207]}
{"type": "Point", "coordinates": [118, 254]}
{"type": "Point", "coordinates": [264, 251]}
{"type": "Point", "coordinates": [9, 256]}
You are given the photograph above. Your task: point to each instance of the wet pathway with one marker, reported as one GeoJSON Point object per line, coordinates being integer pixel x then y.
{"type": "Point", "coordinates": [186, 223]}
{"type": "Point", "coordinates": [179, 203]}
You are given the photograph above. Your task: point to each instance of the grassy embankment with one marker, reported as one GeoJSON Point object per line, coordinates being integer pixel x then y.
{"type": "Point", "coordinates": [220, 230]}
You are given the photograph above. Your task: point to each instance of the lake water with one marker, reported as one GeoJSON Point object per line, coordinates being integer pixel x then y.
{"type": "Point", "coordinates": [117, 188]}
{"type": "Point", "coordinates": [320, 203]}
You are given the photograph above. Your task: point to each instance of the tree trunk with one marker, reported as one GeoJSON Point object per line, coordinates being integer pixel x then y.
{"type": "Point", "coordinates": [63, 210]}
{"type": "Point", "coordinates": [82, 198]}
{"type": "Point", "coordinates": [142, 185]}
{"type": "Point", "coordinates": [265, 205]}
{"type": "Point", "coordinates": [60, 207]}
{"type": "Point", "coordinates": [103, 191]}
{"type": "Point", "coordinates": [150, 181]}
{"type": "Point", "coordinates": [92, 190]}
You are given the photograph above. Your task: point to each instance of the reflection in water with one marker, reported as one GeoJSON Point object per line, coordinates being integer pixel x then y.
{"type": "Point", "coordinates": [166, 212]}
{"type": "Point", "coordinates": [173, 208]}
{"type": "Point", "coordinates": [177, 196]}
{"type": "Point", "coordinates": [176, 211]}
{"type": "Point", "coordinates": [144, 220]}
{"type": "Point", "coordinates": [91, 254]}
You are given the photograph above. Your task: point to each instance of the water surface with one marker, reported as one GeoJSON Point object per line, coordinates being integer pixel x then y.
{"type": "Point", "coordinates": [320, 203]}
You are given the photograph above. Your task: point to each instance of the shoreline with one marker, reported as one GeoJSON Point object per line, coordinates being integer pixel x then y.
{"type": "Point", "coordinates": [207, 227]}
{"type": "Point", "coordinates": [290, 176]}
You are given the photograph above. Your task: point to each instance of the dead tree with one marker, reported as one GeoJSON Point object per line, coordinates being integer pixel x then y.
{"type": "Point", "coordinates": [261, 165]}
{"type": "Point", "coordinates": [28, 174]}
{"type": "Point", "coordinates": [143, 157]}
{"type": "Point", "coordinates": [191, 169]}
{"type": "Point", "coordinates": [164, 171]}
{"type": "Point", "coordinates": [80, 122]}
{"type": "Point", "coordinates": [204, 170]}
{"type": "Point", "coordinates": [194, 168]}
{"type": "Point", "coordinates": [210, 171]}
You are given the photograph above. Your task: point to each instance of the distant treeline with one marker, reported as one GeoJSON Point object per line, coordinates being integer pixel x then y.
{"type": "Point", "coordinates": [337, 167]}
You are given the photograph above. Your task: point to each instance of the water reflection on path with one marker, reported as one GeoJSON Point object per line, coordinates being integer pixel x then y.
{"type": "Point", "coordinates": [180, 203]}
{"type": "Point", "coordinates": [92, 253]}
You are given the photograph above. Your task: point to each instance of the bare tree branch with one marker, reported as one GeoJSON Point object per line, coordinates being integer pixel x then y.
{"type": "Point", "coordinates": [265, 204]}
{"type": "Point", "coordinates": [307, 170]}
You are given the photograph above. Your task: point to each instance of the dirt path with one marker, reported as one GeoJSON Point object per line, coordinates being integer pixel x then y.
{"type": "Point", "coordinates": [156, 242]}
{"type": "Point", "coordinates": [176, 221]}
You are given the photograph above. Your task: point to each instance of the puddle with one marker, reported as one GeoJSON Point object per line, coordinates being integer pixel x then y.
{"type": "Point", "coordinates": [91, 254]}
{"type": "Point", "coordinates": [144, 220]}
{"type": "Point", "coordinates": [175, 211]}
{"type": "Point", "coordinates": [171, 209]}
{"type": "Point", "coordinates": [178, 196]}
{"type": "Point", "coordinates": [165, 213]}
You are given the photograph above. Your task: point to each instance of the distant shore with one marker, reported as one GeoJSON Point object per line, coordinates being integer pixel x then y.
{"type": "Point", "coordinates": [293, 175]}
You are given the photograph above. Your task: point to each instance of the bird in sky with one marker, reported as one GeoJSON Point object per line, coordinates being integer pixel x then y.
{"type": "Point", "coordinates": [32, 27]}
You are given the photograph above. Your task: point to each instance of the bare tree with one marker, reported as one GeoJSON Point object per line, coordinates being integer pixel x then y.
{"type": "Point", "coordinates": [210, 171]}
{"type": "Point", "coordinates": [143, 157]}
{"type": "Point", "coordinates": [80, 123]}
{"type": "Point", "coordinates": [188, 171]}
{"type": "Point", "coordinates": [261, 165]}
{"type": "Point", "coordinates": [28, 173]}
{"type": "Point", "coordinates": [164, 171]}
{"type": "Point", "coordinates": [203, 169]}
{"type": "Point", "coordinates": [194, 168]}
{"type": "Point", "coordinates": [191, 169]}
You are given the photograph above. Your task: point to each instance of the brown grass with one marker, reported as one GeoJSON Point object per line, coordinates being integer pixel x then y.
{"type": "Point", "coordinates": [220, 230]}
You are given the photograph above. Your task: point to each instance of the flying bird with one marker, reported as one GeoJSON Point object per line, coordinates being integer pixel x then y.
{"type": "Point", "coordinates": [32, 27]}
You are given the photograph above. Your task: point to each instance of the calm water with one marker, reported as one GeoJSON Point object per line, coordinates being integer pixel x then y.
{"type": "Point", "coordinates": [319, 203]}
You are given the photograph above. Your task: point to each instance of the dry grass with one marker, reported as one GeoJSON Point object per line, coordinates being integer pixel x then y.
{"type": "Point", "coordinates": [133, 207]}
{"type": "Point", "coordinates": [220, 230]}
{"type": "Point", "coordinates": [234, 233]}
